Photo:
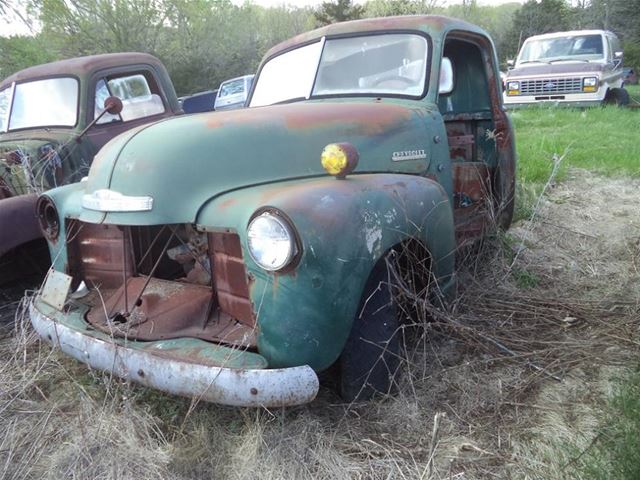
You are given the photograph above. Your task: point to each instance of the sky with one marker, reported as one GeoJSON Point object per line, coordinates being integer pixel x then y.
{"type": "Point", "coordinates": [10, 24]}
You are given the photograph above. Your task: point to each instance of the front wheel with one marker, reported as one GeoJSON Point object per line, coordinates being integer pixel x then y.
{"type": "Point", "coordinates": [617, 96]}
{"type": "Point", "coordinates": [370, 359]}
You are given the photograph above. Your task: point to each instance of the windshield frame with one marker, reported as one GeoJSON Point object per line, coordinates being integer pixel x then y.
{"type": "Point", "coordinates": [326, 38]}
{"type": "Point", "coordinates": [15, 85]}
{"type": "Point", "coordinates": [575, 58]}
{"type": "Point", "coordinates": [11, 88]}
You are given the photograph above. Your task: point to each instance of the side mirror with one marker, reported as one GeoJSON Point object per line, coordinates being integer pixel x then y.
{"type": "Point", "coordinates": [617, 59]}
{"type": "Point", "coordinates": [446, 77]}
{"type": "Point", "coordinates": [113, 105]}
{"type": "Point", "coordinates": [511, 63]}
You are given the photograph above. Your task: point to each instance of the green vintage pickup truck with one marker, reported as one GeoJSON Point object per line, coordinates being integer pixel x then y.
{"type": "Point", "coordinates": [233, 256]}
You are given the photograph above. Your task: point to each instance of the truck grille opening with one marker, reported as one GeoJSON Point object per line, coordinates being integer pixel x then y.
{"type": "Point", "coordinates": [163, 282]}
{"type": "Point", "coordinates": [547, 86]}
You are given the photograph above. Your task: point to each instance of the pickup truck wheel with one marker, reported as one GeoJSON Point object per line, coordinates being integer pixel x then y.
{"type": "Point", "coordinates": [617, 96]}
{"type": "Point", "coordinates": [370, 359]}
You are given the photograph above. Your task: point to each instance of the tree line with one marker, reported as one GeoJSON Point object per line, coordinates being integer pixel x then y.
{"type": "Point", "coordinates": [203, 42]}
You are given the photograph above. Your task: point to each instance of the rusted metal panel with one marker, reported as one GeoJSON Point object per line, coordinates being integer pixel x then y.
{"type": "Point", "coordinates": [230, 277]}
{"type": "Point", "coordinates": [97, 253]}
{"type": "Point", "coordinates": [152, 308]}
{"type": "Point", "coordinates": [166, 309]}
{"type": "Point", "coordinates": [364, 118]}
{"type": "Point", "coordinates": [473, 179]}
{"type": "Point", "coordinates": [461, 141]}
{"type": "Point", "coordinates": [473, 199]}
{"type": "Point", "coordinates": [456, 141]}
{"type": "Point", "coordinates": [227, 243]}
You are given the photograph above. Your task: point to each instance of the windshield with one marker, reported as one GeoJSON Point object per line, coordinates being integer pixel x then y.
{"type": "Point", "coordinates": [390, 64]}
{"type": "Point", "coordinates": [234, 87]}
{"type": "Point", "coordinates": [579, 47]}
{"type": "Point", "coordinates": [42, 103]}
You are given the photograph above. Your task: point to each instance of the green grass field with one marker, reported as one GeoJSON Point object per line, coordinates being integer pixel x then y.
{"type": "Point", "coordinates": [606, 141]}
{"type": "Point", "coordinates": [603, 140]}
{"type": "Point", "coordinates": [615, 454]}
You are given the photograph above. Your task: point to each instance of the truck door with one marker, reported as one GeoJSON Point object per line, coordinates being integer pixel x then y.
{"type": "Point", "coordinates": [475, 123]}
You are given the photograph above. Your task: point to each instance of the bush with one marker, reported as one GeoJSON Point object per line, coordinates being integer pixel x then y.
{"type": "Point", "coordinates": [632, 55]}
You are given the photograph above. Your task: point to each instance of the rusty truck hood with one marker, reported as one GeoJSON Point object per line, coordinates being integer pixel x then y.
{"type": "Point", "coordinates": [184, 162]}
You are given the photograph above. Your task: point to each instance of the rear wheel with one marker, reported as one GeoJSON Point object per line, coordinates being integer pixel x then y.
{"type": "Point", "coordinates": [369, 361]}
{"type": "Point", "coordinates": [617, 96]}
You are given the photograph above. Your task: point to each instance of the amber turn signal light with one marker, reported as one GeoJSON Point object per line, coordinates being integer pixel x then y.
{"type": "Point", "coordinates": [339, 159]}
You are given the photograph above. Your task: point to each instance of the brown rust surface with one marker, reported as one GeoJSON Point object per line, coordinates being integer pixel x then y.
{"type": "Point", "coordinates": [473, 181]}
{"type": "Point", "coordinates": [166, 310]}
{"type": "Point", "coordinates": [97, 254]}
{"type": "Point", "coordinates": [184, 304]}
{"type": "Point", "coordinates": [372, 118]}
{"type": "Point", "coordinates": [461, 141]}
{"type": "Point", "coordinates": [230, 280]}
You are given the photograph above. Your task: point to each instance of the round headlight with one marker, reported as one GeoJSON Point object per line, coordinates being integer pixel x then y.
{"type": "Point", "coordinates": [48, 218]}
{"type": "Point", "coordinates": [271, 241]}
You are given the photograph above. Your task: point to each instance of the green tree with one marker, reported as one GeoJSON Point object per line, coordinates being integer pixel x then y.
{"type": "Point", "coordinates": [385, 8]}
{"type": "Point", "coordinates": [20, 52]}
{"type": "Point", "coordinates": [337, 11]}
{"type": "Point", "coordinates": [536, 17]}
{"type": "Point", "coordinates": [624, 19]}
{"type": "Point", "coordinates": [83, 27]}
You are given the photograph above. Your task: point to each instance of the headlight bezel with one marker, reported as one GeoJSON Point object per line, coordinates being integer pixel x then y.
{"type": "Point", "coordinates": [295, 250]}
{"type": "Point", "coordinates": [590, 84]}
{"type": "Point", "coordinates": [48, 218]}
{"type": "Point", "coordinates": [513, 87]}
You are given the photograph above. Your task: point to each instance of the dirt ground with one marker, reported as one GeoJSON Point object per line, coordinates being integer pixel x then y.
{"type": "Point", "coordinates": [508, 383]}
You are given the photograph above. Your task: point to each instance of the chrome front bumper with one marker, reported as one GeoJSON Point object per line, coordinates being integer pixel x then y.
{"type": "Point", "coordinates": [570, 99]}
{"type": "Point", "coordinates": [135, 361]}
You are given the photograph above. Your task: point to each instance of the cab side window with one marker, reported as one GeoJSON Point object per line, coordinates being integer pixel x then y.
{"type": "Point", "coordinates": [470, 91]}
{"type": "Point", "coordinates": [139, 94]}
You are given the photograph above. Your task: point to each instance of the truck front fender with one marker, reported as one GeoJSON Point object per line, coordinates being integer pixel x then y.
{"type": "Point", "coordinates": [304, 314]}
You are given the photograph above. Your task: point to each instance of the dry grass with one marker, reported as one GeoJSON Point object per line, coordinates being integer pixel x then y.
{"type": "Point", "coordinates": [478, 398]}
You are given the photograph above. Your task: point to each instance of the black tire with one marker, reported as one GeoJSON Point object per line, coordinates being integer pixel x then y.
{"type": "Point", "coordinates": [370, 361]}
{"type": "Point", "coordinates": [506, 204]}
{"type": "Point", "coordinates": [617, 96]}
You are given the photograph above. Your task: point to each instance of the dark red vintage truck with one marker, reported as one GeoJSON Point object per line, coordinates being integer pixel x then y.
{"type": "Point", "coordinates": [51, 127]}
